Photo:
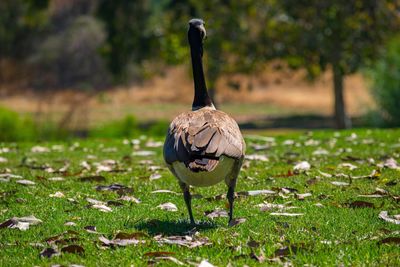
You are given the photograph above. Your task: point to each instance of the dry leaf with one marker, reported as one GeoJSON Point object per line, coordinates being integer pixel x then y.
{"type": "Point", "coordinates": [102, 208]}
{"type": "Point", "coordinates": [205, 263]}
{"type": "Point", "coordinates": [168, 206]}
{"type": "Point", "coordinates": [340, 183]}
{"type": "Point", "coordinates": [3, 160]}
{"type": "Point", "coordinates": [94, 201]}
{"type": "Point", "coordinates": [155, 176]}
{"type": "Point", "coordinates": [390, 240]}
{"type": "Point", "coordinates": [186, 241]}
{"type": "Point", "coordinates": [122, 239]}
{"type": "Point", "coordinates": [361, 204]}
{"type": "Point", "coordinates": [256, 157]}
{"type": "Point", "coordinates": [303, 196]}
{"type": "Point", "coordinates": [26, 182]}
{"type": "Point", "coordinates": [57, 194]}
{"type": "Point", "coordinates": [39, 149]}
{"type": "Point", "coordinates": [143, 153]}
{"type": "Point", "coordinates": [130, 199]}
{"type": "Point", "coordinates": [49, 252]}
{"type": "Point", "coordinates": [75, 249]}
{"type": "Point", "coordinates": [348, 165]}
{"type": "Point", "coordinates": [91, 229]}
{"type": "Point", "coordinates": [302, 166]}
{"type": "Point", "coordinates": [237, 221]}
{"type": "Point", "coordinates": [286, 214]}
{"type": "Point", "coordinates": [384, 216]}
{"type": "Point", "coordinates": [216, 213]}
{"type": "Point", "coordinates": [22, 223]}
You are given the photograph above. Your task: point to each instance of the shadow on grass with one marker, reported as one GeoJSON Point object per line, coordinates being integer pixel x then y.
{"type": "Point", "coordinates": [156, 227]}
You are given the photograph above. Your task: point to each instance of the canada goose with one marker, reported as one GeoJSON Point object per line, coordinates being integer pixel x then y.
{"type": "Point", "coordinates": [203, 146]}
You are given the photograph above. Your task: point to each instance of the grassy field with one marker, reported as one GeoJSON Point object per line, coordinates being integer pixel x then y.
{"type": "Point", "coordinates": [334, 203]}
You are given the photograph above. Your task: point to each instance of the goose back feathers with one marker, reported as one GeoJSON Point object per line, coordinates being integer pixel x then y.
{"type": "Point", "coordinates": [199, 138]}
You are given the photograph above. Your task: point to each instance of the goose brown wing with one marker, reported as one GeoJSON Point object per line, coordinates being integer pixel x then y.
{"type": "Point", "coordinates": [203, 134]}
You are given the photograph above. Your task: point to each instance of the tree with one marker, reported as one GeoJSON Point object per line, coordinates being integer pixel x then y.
{"type": "Point", "coordinates": [20, 21]}
{"type": "Point", "coordinates": [132, 33]}
{"type": "Point", "coordinates": [342, 34]}
{"type": "Point", "coordinates": [236, 29]}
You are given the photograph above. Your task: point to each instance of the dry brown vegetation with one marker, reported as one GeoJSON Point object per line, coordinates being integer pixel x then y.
{"type": "Point", "coordinates": [271, 92]}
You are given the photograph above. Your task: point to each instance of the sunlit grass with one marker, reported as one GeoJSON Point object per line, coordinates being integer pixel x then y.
{"type": "Point", "coordinates": [330, 233]}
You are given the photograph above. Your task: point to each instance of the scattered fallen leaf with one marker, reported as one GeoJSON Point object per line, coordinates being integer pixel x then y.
{"type": "Point", "coordinates": [270, 206]}
{"type": "Point", "coordinates": [155, 176]}
{"type": "Point", "coordinates": [302, 166]}
{"type": "Point", "coordinates": [303, 196]}
{"type": "Point", "coordinates": [25, 182]}
{"type": "Point", "coordinates": [340, 183]}
{"type": "Point", "coordinates": [49, 252]}
{"type": "Point", "coordinates": [237, 221]}
{"type": "Point", "coordinates": [216, 213]}
{"type": "Point", "coordinates": [348, 165]}
{"type": "Point", "coordinates": [57, 194]}
{"type": "Point", "coordinates": [320, 152]}
{"type": "Point", "coordinates": [143, 153]}
{"type": "Point", "coordinates": [122, 239]}
{"type": "Point", "coordinates": [384, 216]}
{"type": "Point", "coordinates": [361, 204]}
{"type": "Point", "coordinates": [168, 206]}
{"type": "Point", "coordinates": [22, 223]}
{"type": "Point", "coordinates": [91, 229]}
{"type": "Point", "coordinates": [286, 214]}
{"type": "Point", "coordinates": [119, 188]}
{"type": "Point", "coordinates": [205, 263]}
{"type": "Point", "coordinates": [102, 208]}
{"type": "Point", "coordinates": [324, 174]}
{"type": "Point", "coordinates": [130, 199]}
{"type": "Point", "coordinates": [256, 157]}
{"type": "Point", "coordinates": [390, 240]}
{"type": "Point", "coordinates": [186, 241]}
{"type": "Point", "coordinates": [3, 160]}
{"type": "Point", "coordinates": [390, 163]}
{"type": "Point", "coordinates": [39, 149]}
{"type": "Point", "coordinates": [75, 249]}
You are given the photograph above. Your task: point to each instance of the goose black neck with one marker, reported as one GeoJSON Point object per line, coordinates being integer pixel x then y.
{"type": "Point", "coordinates": [201, 97]}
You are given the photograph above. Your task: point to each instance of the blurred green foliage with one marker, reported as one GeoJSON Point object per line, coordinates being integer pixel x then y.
{"type": "Point", "coordinates": [16, 127]}
{"type": "Point", "coordinates": [385, 76]}
{"type": "Point", "coordinates": [128, 127]}
{"type": "Point", "coordinates": [81, 44]}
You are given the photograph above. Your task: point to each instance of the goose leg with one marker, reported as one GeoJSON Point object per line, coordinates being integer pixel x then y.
{"type": "Point", "coordinates": [231, 197]}
{"type": "Point", "coordinates": [188, 200]}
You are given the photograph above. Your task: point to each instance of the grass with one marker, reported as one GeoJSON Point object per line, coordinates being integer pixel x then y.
{"type": "Point", "coordinates": [331, 234]}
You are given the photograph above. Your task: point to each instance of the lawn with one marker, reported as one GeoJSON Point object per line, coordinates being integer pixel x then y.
{"type": "Point", "coordinates": [324, 192]}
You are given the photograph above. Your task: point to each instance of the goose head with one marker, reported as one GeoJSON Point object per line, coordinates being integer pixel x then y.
{"type": "Point", "coordinates": [197, 32]}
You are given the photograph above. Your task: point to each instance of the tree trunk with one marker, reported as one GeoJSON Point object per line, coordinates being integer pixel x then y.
{"type": "Point", "coordinates": [341, 119]}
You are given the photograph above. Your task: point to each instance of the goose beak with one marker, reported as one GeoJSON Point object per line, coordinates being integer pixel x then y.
{"type": "Point", "coordinates": [202, 31]}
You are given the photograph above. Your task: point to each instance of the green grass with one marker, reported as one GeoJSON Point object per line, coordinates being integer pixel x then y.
{"type": "Point", "coordinates": [333, 234]}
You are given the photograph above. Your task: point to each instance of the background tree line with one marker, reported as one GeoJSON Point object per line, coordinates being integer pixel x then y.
{"type": "Point", "coordinates": [92, 44]}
